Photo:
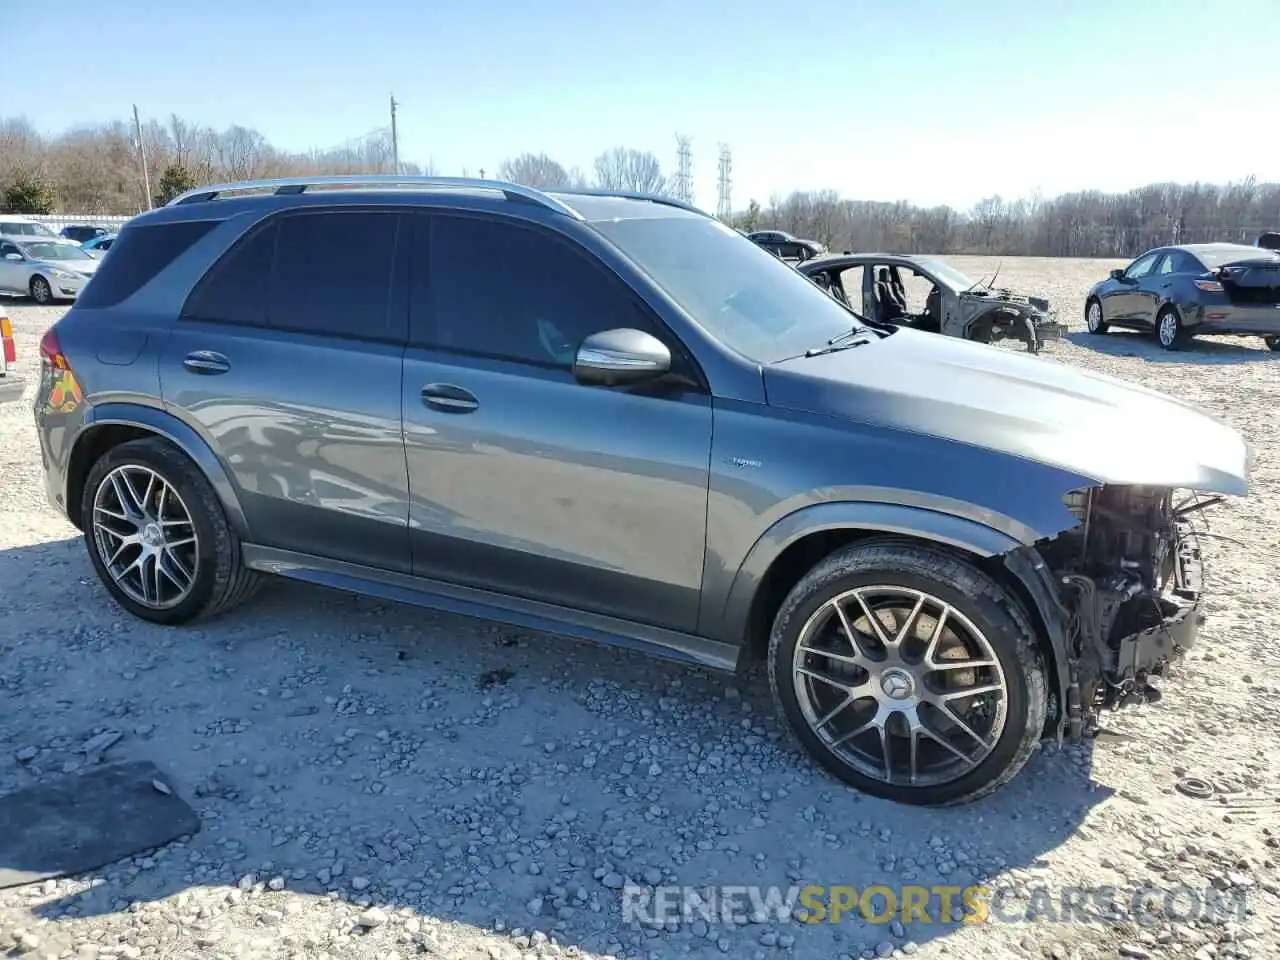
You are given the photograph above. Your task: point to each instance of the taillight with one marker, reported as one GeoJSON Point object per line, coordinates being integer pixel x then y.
{"type": "Point", "coordinates": [6, 339]}
{"type": "Point", "coordinates": [51, 351]}
{"type": "Point", "coordinates": [1209, 286]}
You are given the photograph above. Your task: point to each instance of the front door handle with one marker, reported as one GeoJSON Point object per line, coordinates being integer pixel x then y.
{"type": "Point", "coordinates": [447, 398]}
{"type": "Point", "coordinates": [206, 361]}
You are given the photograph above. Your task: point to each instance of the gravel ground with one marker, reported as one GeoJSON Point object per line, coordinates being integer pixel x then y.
{"type": "Point", "coordinates": [378, 781]}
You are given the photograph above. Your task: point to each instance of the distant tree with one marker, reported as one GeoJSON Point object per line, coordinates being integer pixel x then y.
{"type": "Point", "coordinates": [29, 195]}
{"type": "Point", "coordinates": [176, 179]}
{"type": "Point", "coordinates": [534, 170]}
{"type": "Point", "coordinates": [632, 171]}
{"type": "Point", "coordinates": [749, 221]}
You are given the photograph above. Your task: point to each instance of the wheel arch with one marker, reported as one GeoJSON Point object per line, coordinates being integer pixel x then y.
{"type": "Point", "coordinates": [114, 423]}
{"type": "Point", "coordinates": [791, 547]}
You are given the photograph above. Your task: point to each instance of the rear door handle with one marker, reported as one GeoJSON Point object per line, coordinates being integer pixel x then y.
{"type": "Point", "coordinates": [447, 398]}
{"type": "Point", "coordinates": [206, 361]}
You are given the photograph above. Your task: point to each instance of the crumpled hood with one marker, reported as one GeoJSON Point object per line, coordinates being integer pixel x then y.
{"type": "Point", "coordinates": [1099, 427]}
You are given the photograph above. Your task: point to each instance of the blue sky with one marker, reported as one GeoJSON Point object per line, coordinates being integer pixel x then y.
{"type": "Point", "coordinates": [932, 101]}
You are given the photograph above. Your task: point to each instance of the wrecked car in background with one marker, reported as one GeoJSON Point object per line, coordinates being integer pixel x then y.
{"type": "Point", "coordinates": [873, 285]}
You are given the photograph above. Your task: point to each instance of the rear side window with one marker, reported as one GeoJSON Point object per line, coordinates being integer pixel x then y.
{"type": "Point", "coordinates": [140, 252]}
{"type": "Point", "coordinates": [235, 290]}
{"type": "Point", "coordinates": [333, 273]}
{"type": "Point", "coordinates": [324, 272]}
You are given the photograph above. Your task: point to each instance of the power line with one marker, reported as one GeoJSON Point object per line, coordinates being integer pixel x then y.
{"type": "Point", "coordinates": [142, 155]}
{"type": "Point", "coordinates": [684, 169]}
{"type": "Point", "coordinates": [395, 141]}
{"type": "Point", "coordinates": [724, 204]}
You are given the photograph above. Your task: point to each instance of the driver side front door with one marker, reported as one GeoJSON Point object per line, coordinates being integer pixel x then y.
{"type": "Point", "coordinates": [12, 272]}
{"type": "Point", "coordinates": [1123, 304]}
{"type": "Point", "coordinates": [524, 481]}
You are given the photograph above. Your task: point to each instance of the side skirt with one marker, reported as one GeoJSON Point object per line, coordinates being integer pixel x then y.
{"type": "Point", "coordinates": [488, 605]}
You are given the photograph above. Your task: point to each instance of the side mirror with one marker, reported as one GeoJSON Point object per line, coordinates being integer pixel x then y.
{"type": "Point", "coordinates": [613, 357]}
{"type": "Point", "coordinates": [1117, 273]}
{"type": "Point", "coordinates": [13, 256]}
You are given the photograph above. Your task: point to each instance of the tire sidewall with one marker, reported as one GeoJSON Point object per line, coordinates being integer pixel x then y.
{"type": "Point", "coordinates": [175, 469]}
{"type": "Point", "coordinates": [1172, 343]}
{"type": "Point", "coordinates": [1000, 629]}
{"type": "Point", "coordinates": [1089, 325]}
{"type": "Point", "coordinates": [38, 279]}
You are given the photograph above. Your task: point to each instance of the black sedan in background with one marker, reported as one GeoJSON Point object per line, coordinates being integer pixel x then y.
{"type": "Point", "coordinates": [1191, 290]}
{"type": "Point", "coordinates": [786, 247]}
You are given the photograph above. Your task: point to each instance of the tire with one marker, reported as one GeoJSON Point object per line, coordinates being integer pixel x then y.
{"type": "Point", "coordinates": [1273, 343]}
{"type": "Point", "coordinates": [1093, 317]}
{"type": "Point", "coordinates": [973, 600]}
{"type": "Point", "coordinates": [1170, 333]}
{"type": "Point", "coordinates": [41, 292]}
{"type": "Point", "coordinates": [212, 560]}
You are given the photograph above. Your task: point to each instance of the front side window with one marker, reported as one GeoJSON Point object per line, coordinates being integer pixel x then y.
{"type": "Point", "coordinates": [503, 290]}
{"type": "Point", "coordinates": [1142, 266]}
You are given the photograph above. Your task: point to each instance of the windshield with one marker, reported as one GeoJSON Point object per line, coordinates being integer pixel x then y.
{"type": "Point", "coordinates": [737, 291]}
{"type": "Point", "coordinates": [946, 273]}
{"type": "Point", "coordinates": [53, 251]}
{"type": "Point", "coordinates": [23, 228]}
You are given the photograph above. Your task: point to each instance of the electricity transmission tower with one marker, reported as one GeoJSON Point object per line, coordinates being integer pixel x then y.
{"type": "Point", "coordinates": [684, 169]}
{"type": "Point", "coordinates": [724, 205]}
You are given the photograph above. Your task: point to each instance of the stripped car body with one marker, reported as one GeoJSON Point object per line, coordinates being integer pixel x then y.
{"type": "Point", "coordinates": [956, 306]}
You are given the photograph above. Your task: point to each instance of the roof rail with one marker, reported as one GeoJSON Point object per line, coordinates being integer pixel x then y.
{"type": "Point", "coordinates": [630, 195]}
{"type": "Point", "coordinates": [295, 185]}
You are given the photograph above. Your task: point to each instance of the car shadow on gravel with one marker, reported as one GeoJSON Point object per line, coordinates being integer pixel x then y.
{"type": "Point", "coordinates": [1202, 350]}
{"type": "Point", "coordinates": [453, 772]}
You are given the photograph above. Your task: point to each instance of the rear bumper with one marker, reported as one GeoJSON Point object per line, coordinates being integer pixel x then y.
{"type": "Point", "coordinates": [1259, 320]}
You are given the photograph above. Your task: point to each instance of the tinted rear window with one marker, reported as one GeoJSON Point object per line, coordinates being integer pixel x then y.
{"type": "Point", "coordinates": [138, 254]}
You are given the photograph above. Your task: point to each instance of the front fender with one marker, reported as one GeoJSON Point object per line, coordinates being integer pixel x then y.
{"type": "Point", "coordinates": [182, 436]}
{"type": "Point", "coordinates": [921, 522]}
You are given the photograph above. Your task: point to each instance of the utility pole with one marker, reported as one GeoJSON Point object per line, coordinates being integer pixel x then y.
{"type": "Point", "coordinates": [684, 169]}
{"type": "Point", "coordinates": [395, 142]}
{"type": "Point", "coordinates": [142, 155]}
{"type": "Point", "coordinates": [724, 205]}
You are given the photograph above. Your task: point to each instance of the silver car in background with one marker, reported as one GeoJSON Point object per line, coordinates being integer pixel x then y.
{"type": "Point", "coordinates": [45, 270]}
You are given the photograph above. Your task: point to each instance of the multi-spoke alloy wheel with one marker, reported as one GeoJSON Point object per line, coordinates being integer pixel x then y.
{"type": "Point", "coordinates": [909, 672]}
{"type": "Point", "coordinates": [900, 685]}
{"type": "Point", "coordinates": [145, 536]}
{"type": "Point", "coordinates": [158, 535]}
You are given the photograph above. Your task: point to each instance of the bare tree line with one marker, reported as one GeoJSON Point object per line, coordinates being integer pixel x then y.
{"type": "Point", "coordinates": [1084, 224]}
{"type": "Point", "coordinates": [95, 169]}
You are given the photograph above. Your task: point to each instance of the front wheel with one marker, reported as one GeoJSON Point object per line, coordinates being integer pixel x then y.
{"type": "Point", "coordinates": [41, 292]}
{"type": "Point", "coordinates": [909, 673]}
{"type": "Point", "coordinates": [1093, 318]}
{"type": "Point", "coordinates": [158, 537]}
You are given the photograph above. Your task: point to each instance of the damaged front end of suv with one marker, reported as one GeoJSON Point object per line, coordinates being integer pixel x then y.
{"type": "Point", "coordinates": [1121, 597]}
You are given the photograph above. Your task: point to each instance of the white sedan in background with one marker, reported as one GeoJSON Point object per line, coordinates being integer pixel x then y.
{"type": "Point", "coordinates": [44, 270]}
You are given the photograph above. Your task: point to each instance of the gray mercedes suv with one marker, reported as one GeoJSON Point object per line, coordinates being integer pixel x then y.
{"type": "Point", "coordinates": [615, 418]}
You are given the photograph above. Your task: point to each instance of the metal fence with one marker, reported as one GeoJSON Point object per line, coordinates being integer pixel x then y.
{"type": "Point", "coordinates": [59, 220]}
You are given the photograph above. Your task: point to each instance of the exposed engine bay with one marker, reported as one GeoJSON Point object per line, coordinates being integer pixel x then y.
{"type": "Point", "coordinates": [1129, 582]}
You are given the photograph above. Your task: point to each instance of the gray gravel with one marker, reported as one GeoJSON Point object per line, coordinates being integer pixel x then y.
{"type": "Point", "coordinates": [364, 795]}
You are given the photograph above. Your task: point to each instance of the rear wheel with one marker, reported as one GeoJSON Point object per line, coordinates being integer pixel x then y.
{"type": "Point", "coordinates": [158, 537]}
{"type": "Point", "coordinates": [41, 292]}
{"type": "Point", "coordinates": [1170, 332]}
{"type": "Point", "coordinates": [908, 673]}
{"type": "Point", "coordinates": [1093, 317]}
